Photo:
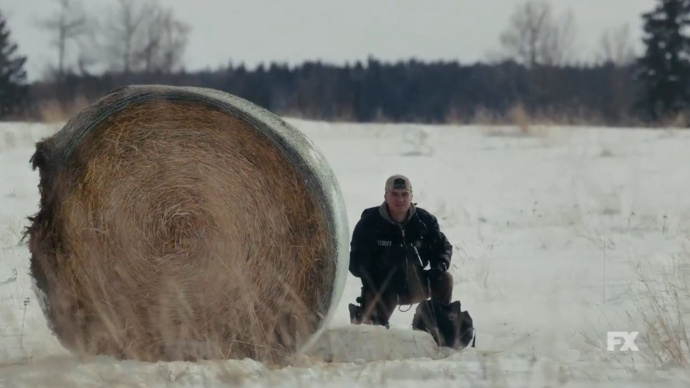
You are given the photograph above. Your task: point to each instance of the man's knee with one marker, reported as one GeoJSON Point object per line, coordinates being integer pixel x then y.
{"type": "Point", "coordinates": [446, 280]}
{"type": "Point", "coordinates": [443, 280]}
{"type": "Point", "coordinates": [442, 287]}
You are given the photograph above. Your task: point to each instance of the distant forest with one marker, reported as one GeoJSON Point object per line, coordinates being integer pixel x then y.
{"type": "Point", "coordinates": [400, 92]}
{"type": "Point", "coordinates": [534, 75]}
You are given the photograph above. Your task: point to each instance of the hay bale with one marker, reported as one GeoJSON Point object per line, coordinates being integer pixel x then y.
{"type": "Point", "coordinates": [183, 223]}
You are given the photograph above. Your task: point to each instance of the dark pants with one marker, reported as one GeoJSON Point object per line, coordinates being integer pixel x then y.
{"type": "Point", "coordinates": [379, 304]}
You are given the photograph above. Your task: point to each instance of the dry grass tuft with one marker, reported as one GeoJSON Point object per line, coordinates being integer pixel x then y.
{"type": "Point", "coordinates": [519, 117]}
{"type": "Point", "coordinates": [54, 111]}
{"type": "Point", "coordinates": [665, 312]}
{"type": "Point", "coordinates": [174, 231]}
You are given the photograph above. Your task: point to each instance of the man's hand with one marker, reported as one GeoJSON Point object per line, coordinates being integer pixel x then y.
{"type": "Point", "coordinates": [436, 271]}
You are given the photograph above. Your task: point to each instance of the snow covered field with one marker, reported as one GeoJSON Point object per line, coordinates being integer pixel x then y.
{"type": "Point", "coordinates": [560, 235]}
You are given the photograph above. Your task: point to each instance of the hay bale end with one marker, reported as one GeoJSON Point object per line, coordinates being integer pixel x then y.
{"type": "Point", "coordinates": [179, 223]}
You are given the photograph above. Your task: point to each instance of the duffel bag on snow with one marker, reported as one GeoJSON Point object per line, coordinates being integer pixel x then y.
{"type": "Point", "coordinates": [447, 324]}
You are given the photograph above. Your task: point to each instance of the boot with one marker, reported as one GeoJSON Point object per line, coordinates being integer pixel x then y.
{"type": "Point", "coordinates": [355, 314]}
{"type": "Point", "coordinates": [356, 317]}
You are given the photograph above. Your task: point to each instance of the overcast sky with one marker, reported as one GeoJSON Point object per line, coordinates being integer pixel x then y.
{"type": "Point", "coordinates": [292, 31]}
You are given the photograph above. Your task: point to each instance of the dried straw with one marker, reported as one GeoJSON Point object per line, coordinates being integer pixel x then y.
{"type": "Point", "coordinates": [184, 223]}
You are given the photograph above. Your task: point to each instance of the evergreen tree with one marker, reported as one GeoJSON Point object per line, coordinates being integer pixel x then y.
{"type": "Point", "coordinates": [13, 87]}
{"type": "Point", "coordinates": [664, 67]}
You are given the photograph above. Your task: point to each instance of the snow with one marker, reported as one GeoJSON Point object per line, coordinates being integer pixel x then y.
{"type": "Point", "coordinates": [554, 232]}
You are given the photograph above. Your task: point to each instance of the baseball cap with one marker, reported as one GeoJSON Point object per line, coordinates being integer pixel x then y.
{"type": "Point", "coordinates": [398, 182]}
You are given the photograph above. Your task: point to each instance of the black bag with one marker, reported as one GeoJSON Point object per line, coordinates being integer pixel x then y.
{"type": "Point", "coordinates": [447, 324]}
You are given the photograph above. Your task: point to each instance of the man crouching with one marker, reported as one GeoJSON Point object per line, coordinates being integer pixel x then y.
{"type": "Point", "coordinates": [391, 246]}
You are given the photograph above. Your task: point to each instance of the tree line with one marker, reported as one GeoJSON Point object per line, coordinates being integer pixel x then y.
{"type": "Point", "coordinates": [535, 72]}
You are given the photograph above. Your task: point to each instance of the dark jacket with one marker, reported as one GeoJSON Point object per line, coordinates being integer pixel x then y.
{"type": "Point", "coordinates": [381, 250]}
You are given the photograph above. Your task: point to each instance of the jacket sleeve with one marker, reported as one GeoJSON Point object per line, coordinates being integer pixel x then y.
{"type": "Point", "coordinates": [360, 250]}
{"type": "Point", "coordinates": [441, 248]}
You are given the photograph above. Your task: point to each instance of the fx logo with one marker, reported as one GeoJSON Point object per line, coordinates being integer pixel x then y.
{"type": "Point", "coordinates": [627, 339]}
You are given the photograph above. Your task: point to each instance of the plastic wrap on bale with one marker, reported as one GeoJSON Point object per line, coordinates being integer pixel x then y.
{"type": "Point", "coordinates": [180, 223]}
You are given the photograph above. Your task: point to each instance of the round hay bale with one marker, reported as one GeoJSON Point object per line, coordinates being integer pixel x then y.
{"type": "Point", "coordinates": [182, 223]}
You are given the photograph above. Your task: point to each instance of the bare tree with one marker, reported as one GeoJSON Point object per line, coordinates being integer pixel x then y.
{"type": "Point", "coordinates": [119, 31]}
{"type": "Point", "coordinates": [68, 26]}
{"type": "Point", "coordinates": [163, 42]}
{"type": "Point", "coordinates": [616, 47]}
{"type": "Point", "coordinates": [559, 43]}
{"type": "Point", "coordinates": [144, 35]}
{"type": "Point", "coordinates": [535, 37]}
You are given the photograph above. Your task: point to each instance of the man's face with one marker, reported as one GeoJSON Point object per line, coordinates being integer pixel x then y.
{"type": "Point", "coordinates": [398, 200]}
